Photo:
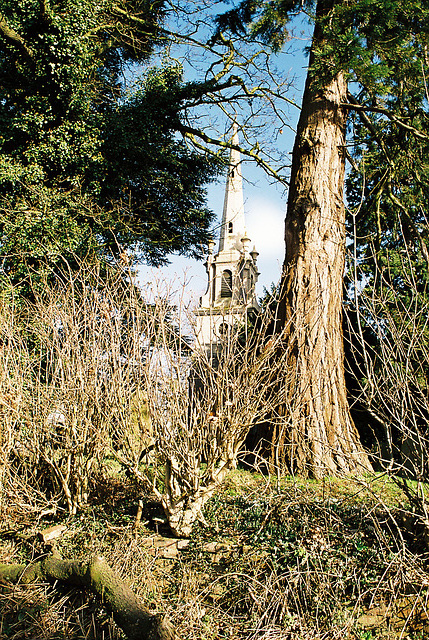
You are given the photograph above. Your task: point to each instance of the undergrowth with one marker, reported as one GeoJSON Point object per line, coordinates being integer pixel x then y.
{"type": "Point", "coordinates": [298, 561]}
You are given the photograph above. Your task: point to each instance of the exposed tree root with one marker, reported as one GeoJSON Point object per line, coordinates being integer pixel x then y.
{"type": "Point", "coordinates": [95, 574]}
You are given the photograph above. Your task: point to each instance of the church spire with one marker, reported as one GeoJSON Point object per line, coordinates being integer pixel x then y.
{"type": "Point", "coordinates": [233, 227]}
{"type": "Point", "coordinates": [232, 271]}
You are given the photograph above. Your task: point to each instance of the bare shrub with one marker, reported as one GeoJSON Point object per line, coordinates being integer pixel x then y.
{"type": "Point", "coordinates": [202, 405]}
{"type": "Point", "coordinates": [69, 377]}
{"type": "Point", "coordinates": [93, 368]}
{"type": "Point", "coordinates": [14, 376]}
{"type": "Point", "coordinates": [389, 346]}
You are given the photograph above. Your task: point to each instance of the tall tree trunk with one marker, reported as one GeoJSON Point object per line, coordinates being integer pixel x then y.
{"type": "Point", "coordinates": [322, 438]}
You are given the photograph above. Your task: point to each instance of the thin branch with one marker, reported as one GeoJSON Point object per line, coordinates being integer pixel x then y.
{"type": "Point", "coordinates": [411, 222]}
{"type": "Point", "coordinates": [353, 104]}
{"type": "Point", "coordinates": [194, 134]}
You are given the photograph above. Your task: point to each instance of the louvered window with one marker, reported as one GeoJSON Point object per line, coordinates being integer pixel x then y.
{"type": "Point", "coordinates": [226, 284]}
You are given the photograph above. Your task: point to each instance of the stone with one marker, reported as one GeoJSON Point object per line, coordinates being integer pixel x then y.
{"type": "Point", "coordinates": [52, 533]}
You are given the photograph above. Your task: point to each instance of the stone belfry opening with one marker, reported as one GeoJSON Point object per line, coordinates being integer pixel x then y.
{"type": "Point", "coordinates": [232, 270]}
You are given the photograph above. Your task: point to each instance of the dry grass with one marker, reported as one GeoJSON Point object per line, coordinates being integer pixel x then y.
{"type": "Point", "coordinates": [307, 563]}
{"type": "Point", "coordinates": [39, 612]}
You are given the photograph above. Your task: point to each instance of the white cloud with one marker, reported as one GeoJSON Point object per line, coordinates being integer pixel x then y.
{"type": "Point", "coordinates": [265, 225]}
{"type": "Point", "coordinates": [265, 228]}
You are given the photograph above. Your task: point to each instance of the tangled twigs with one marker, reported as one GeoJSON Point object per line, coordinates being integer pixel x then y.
{"type": "Point", "coordinates": [95, 574]}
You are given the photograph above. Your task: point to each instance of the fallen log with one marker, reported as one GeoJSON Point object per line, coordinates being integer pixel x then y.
{"type": "Point", "coordinates": [97, 576]}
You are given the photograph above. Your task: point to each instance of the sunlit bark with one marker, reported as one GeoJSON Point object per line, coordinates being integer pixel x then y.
{"type": "Point", "coordinates": [322, 438]}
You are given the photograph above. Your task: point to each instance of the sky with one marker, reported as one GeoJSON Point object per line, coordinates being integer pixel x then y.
{"type": "Point", "coordinates": [264, 201]}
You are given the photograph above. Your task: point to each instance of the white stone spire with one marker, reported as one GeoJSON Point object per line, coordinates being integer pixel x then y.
{"type": "Point", "coordinates": [233, 227]}
{"type": "Point", "coordinates": [232, 271]}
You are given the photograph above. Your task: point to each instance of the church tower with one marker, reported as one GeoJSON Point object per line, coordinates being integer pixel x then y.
{"type": "Point", "coordinates": [232, 271]}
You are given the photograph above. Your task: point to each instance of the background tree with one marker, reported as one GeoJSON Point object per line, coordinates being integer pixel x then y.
{"type": "Point", "coordinates": [85, 167]}
{"type": "Point", "coordinates": [387, 191]}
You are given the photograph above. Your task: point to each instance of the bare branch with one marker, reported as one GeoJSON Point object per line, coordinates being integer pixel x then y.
{"type": "Point", "coordinates": [195, 134]}
{"type": "Point", "coordinates": [355, 106]}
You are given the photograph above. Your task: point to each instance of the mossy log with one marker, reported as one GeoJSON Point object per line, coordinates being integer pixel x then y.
{"type": "Point", "coordinates": [96, 575]}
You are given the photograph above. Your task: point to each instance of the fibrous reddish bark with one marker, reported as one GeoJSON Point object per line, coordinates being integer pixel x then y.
{"type": "Point", "coordinates": [96, 575]}
{"type": "Point", "coordinates": [322, 438]}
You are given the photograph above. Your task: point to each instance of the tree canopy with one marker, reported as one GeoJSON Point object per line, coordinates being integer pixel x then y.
{"type": "Point", "coordinates": [87, 167]}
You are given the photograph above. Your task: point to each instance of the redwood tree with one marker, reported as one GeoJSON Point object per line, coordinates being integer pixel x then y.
{"type": "Point", "coordinates": [356, 45]}
{"type": "Point", "coordinates": [322, 438]}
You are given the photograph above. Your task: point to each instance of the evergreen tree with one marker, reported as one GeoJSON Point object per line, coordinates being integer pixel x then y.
{"type": "Point", "coordinates": [365, 54]}
{"type": "Point", "coordinates": [85, 168]}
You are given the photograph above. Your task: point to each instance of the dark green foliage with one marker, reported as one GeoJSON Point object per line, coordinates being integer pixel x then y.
{"type": "Point", "coordinates": [156, 180]}
{"type": "Point", "coordinates": [85, 168]}
{"type": "Point", "coordinates": [389, 180]}
{"type": "Point", "coordinates": [388, 192]}
{"type": "Point", "coordinates": [267, 20]}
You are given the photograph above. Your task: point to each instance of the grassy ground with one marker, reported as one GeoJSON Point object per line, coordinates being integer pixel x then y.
{"type": "Point", "coordinates": [294, 559]}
